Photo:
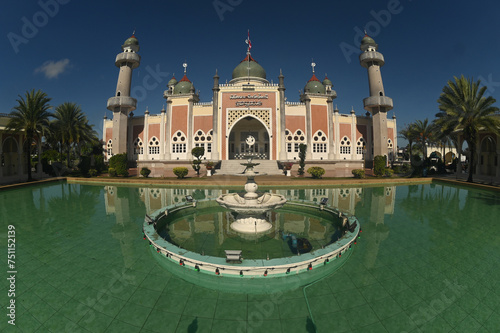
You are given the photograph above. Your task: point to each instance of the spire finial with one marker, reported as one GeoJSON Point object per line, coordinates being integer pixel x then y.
{"type": "Point", "coordinates": [185, 66]}
{"type": "Point", "coordinates": [248, 42]}
{"type": "Point", "coordinates": [366, 34]}
{"type": "Point", "coordinates": [133, 32]}
{"type": "Point", "coordinates": [313, 64]}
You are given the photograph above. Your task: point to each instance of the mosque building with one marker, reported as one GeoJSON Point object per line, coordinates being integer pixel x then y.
{"type": "Point", "coordinates": [250, 116]}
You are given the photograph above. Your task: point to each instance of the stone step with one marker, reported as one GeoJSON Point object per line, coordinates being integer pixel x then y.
{"type": "Point", "coordinates": [231, 167]}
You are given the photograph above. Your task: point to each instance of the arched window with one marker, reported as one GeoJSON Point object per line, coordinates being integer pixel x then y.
{"type": "Point", "coordinates": [154, 146]}
{"type": "Point", "coordinates": [179, 143]}
{"type": "Point", "coordinates": [138, 147]}
{"type": "Point", "coordinates": [389, 143]}
{"type": "Point", "coordinates": [109, 147]}
{"type": "Point", "coordinates": [360, 145]}
{"type": "Point", "coordinates": [203, 140]}
{"type": "Point", "coordinates": [319, 142]}
{"type": "Point", "coordinates": [294, 140]}
{"type": "Point", "coordinates": [345, 146]}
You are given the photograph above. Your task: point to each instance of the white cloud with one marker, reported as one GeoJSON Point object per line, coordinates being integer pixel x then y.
{"type": "Point", "coordinates": [52, 69]}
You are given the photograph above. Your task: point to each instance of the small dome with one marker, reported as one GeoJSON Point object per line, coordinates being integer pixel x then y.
{"type": "Point", "coordinates": [366, 42]}
{"type": "Point", "coordinates": [183, 86]}
{"type": "Point", "coordinates": [314, 86]}
{"type": "Point", "coordinates": [132, 42]}
{"type": "Point", "coordinates": [242, 70]}
{"type": "Point", "coordinates": [327, 82]}
{"type": "Point", "coordinates": [172, 82]}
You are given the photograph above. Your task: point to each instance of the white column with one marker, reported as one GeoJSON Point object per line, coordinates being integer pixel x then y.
{"type": "Point", "coordinates": [162, 135]}
{"type": "Point", "coordinates": [168, 131]}
{"type": "Point", "coordinates": [353, 135]}
{"type": "Point", "coordinates": [336, 155]}
{"type": "Point", "coordinates": [146, 136]}
{"type": "Point", "coordinates": [331, 147]}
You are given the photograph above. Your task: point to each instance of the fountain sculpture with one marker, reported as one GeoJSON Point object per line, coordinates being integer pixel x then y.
{"type": "Point", "coordinates": [251, 208]}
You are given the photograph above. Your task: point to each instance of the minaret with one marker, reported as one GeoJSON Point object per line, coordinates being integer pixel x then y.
{"type": "Point", "coordinates": [378, 104]}
{"type": "Point", "coordinates": [122, 104]}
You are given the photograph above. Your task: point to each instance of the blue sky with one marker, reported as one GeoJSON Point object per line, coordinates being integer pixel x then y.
{"type": "Point", "coordinates": [67, 48]}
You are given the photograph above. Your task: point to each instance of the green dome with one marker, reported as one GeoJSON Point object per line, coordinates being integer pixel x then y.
{"type": "Point", "coordinates": [314, 86]}
{"type": "Point", "coordinates": [172, 82]}
{"type": "Point", "coordinates": [366, 42]}
{"type": "Point", "coordinates": [256, 70]}
{"type": "Point", "coordinates": [131, 41]}
{"type": "Point", "coordinates": [183, 86]}
{"type": "Point", "coordinates": [327, 82]}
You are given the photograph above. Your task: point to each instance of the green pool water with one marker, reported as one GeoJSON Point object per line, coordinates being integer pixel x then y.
{"type": "Point", "coordinates": [428, 261]}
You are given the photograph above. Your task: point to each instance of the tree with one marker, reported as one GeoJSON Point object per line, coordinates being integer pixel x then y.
{"type": "Point", "coordinates": [31, 115]}
{"type": "Point", "coordinates": [302, 158]}
{"type": "Point", "coordinates": [197, 152]}
{"type": "Point", "coordinates": [424, 133]}
{"type": "Point", "coordinates": [72, 127]}
{"type": "Point", "coordinates": [408, 133]}
{"type": "Point", "coordinates": [463, 108]}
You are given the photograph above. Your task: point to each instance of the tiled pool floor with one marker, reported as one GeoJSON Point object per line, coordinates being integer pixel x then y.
{"type": "Point", "coordinates": [431, 263]}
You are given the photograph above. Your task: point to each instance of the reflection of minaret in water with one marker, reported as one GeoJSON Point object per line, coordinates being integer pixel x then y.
{"type": "Point", "coordinates": [376, 228]}
{"type": "Point", "coordinates": [119, 206]}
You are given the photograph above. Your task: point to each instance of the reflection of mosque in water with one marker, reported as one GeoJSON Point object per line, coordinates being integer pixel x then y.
{"type": "Point", "coordinates": [377, 201]}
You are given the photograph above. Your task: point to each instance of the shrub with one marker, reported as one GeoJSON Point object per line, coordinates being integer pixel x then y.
{"type": "Point", "coordinates": [119, 163]}
{"type": "Point", "coordinates": [209, 165]}
{"type": "Point", "coordinates": [316, 172]}
{"type": "Point", "coordinates": [197, 152]}
{"type": "Point", "coordinates": [379, 164]}
{"type": "Point", "coordinates": [358, 173]}
{"type": "Point", "coordinates": [112, 172]}
{"type": "Point", "coordinates": [99, 163]}
{"type": "Point", "coordinates": [145, 172]}
{"type": "Point", "coordinates": [388, 172]}
{"type": "Point", "coordinates": [180, 172]}
{"type": "Point", "coordinates": [93, 172]}
{"type": "Point", "coordinates": [302, 157]}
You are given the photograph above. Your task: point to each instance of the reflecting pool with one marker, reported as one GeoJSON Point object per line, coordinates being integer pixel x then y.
{"type": "Point", "coordinates": [428, 261]}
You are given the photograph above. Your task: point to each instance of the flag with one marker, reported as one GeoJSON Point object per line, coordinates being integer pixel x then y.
{"type": "Point", "coordinates": [248, 41]}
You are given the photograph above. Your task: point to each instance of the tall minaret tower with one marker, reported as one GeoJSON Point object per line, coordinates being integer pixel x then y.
{"type": "Point", "coordinates": [122, 104]}
{"type": "Point", "coordinates": [378, 104]}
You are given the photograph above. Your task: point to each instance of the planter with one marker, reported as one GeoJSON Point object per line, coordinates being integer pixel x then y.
{"type": "Point", "coordinates": [209, 172]}
{"type": "Point", "coordinates": [288, 173]}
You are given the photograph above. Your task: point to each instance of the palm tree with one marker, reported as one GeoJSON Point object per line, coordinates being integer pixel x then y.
{"type": "Point", "coordinates": [464, 109]}
{"type": "Point", "coordinates": [72, 127]}
{"type": "Point", "coordinates": [408, 133]}
{"type": "Point", "coordinates": [31, 115]}
{"type": "Point", "coordinates": [424, 133]}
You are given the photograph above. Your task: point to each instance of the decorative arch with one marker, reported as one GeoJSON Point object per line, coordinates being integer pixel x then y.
{"type": "Point", "coordinates": [234, 116]}
{"type": "Point", "coordinates": [138, 146]}
{"type": "Point", "coordinates": [237, 147]}
{"type": "Point", "coordinates": [179, 142]}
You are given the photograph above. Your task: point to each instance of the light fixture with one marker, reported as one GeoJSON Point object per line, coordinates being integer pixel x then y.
{"type": "Point", "coordinates": [327, 261]}
{"type": "Point", "coordinates": [310, 267]}
{"type": "Point", "coordinates": [189, 198]}
{"type": "Point", "coordinates": [197, 268]}
{"type": "Point", "coordinates": [288, 271]}
{"type": "Point", "coordinates": [217, 272]}
{"type": "Point", "coordinates": [265, 273]}
{"type": "Point", "coordinates": [241, 273]}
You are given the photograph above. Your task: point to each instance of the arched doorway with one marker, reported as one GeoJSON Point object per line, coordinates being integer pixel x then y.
{"type": "Point", "coordinates": [9, 157]}
{"type": "Point", "coordinates": [237, 146]}
{"type": "Point", "coordinates": [488, 156]}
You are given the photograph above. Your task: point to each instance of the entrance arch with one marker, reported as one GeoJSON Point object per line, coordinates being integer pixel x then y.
{"type": "Point", "coordinates": [488, 156]}
{"type": "Point", "coordinates": [238, 133]}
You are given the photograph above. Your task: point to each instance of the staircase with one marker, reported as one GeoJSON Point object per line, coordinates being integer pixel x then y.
{"type": "Point", "coordinates": [231, 167]}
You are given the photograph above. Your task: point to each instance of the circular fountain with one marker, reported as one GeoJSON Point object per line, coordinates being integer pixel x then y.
{"type": "Point", "coordinates": [251, 208]}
